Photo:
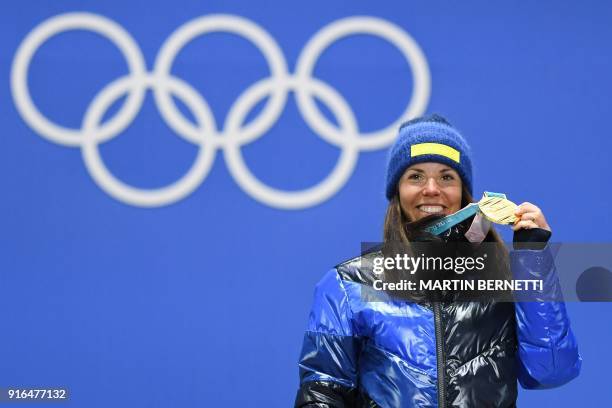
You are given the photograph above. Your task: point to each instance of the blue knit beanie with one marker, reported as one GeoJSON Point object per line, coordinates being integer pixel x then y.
{"type": "Point", "coordinates": [428, 139]}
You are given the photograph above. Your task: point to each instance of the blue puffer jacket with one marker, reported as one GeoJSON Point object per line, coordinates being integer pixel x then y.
{"type": "Point", "coordinates": [401, 354]}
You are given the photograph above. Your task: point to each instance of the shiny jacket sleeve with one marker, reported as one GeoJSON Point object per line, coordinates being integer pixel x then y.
{"type": "Point", "coordinates": [547, 349]}
{"type": "Point", "coordinates": [328, 366]}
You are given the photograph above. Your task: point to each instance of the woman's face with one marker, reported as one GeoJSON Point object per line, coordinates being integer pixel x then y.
{"type": "Point", "coordinates": [429, 188]}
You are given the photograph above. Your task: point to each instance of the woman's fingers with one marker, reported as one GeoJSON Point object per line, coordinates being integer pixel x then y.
{"type": "Point", "coordinates": [525, 224]}
{"type": "Point", "coordinates": [529, 216]}
{"type": "Point", "coordinates": [526, 207]}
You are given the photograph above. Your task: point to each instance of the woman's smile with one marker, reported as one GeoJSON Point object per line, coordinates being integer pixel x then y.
{"type": "Point", "coordinates": [432, 208]}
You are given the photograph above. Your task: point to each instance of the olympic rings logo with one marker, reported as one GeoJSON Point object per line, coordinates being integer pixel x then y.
{"type": "Point", "coordinates": [206, 134]}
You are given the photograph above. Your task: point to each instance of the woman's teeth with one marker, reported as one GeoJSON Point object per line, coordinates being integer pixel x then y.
{"type": "Point", "coordinates": [431, 209]}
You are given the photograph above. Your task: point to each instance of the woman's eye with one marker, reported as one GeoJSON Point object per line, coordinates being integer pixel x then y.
{"type": "Point", "coordinates": [447, 177]}
{"type": "Point", "coordinates": [414, 176]}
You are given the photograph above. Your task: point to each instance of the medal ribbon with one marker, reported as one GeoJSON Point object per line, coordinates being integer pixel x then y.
{"type": "Point", "coordinates": [469, 210]}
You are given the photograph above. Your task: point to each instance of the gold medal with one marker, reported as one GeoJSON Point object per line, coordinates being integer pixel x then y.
{"type": "Point", "coordinates": [495, 207]}
{"type": "Point", "coordinates": [498, 209]}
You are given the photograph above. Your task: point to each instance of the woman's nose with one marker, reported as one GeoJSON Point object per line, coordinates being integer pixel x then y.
{"type": "Point", "coordinates": [431, 187]}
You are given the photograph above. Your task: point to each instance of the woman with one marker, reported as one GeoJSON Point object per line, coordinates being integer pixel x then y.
{"type": "Point", "coordinates": [425, 354]}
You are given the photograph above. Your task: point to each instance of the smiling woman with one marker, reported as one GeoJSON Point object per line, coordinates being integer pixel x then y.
{"type": "Point", "coordinates": [429, 188]}
{"type": "Point", "coordinates": [447, 353]}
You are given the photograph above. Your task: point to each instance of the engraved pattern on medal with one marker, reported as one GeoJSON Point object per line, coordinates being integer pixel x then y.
{"type": "Point", "coordinates": [498, 210]}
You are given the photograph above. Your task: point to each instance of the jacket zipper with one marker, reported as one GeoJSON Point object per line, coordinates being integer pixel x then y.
{"type": "Point", "coordinates": [437, 309]}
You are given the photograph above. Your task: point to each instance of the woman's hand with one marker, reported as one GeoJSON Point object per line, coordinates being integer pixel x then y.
{"type": "Point", "coordinates": [529, 216]}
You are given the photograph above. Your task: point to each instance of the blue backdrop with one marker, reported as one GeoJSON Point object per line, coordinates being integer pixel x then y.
{"type": "Point", "coordinates": [172, 193]}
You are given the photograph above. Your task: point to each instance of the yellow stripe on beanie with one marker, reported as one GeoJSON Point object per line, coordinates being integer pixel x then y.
{"type": "Point", "coordinates": [435, 148]}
